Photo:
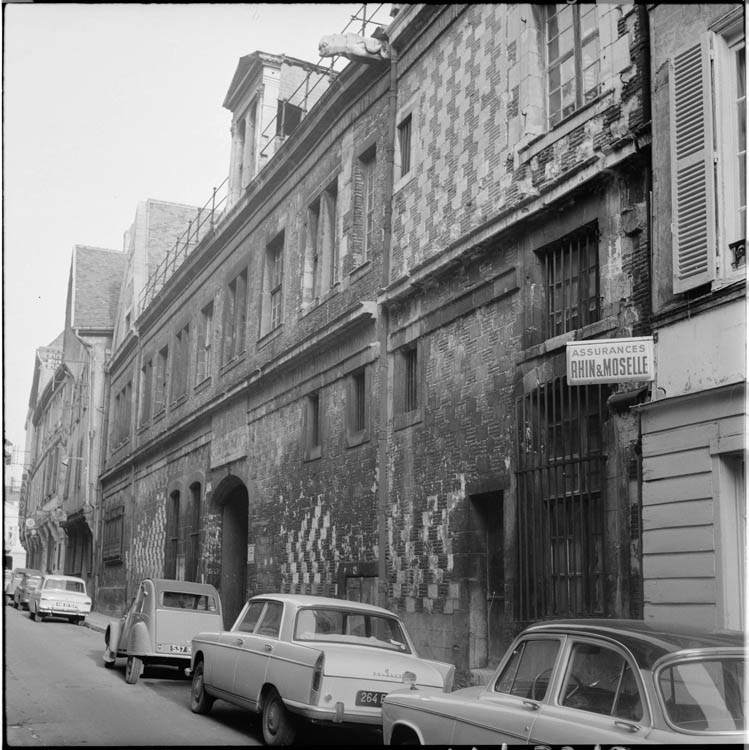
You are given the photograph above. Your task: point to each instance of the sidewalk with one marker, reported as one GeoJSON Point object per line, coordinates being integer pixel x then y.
{"type": "Point", "coordinates": [97, 621]}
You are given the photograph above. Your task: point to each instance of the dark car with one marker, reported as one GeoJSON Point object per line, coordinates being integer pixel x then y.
{"type": "Point", "coordinates": [16, 578]}
{"type": "Point", "coordinates": [29, 582]}
{"type": "Point", "coordinates": [589, 681]}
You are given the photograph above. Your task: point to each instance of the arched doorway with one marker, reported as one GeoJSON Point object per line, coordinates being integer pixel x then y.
{"type": "Point", "coordinates": [233, 499]}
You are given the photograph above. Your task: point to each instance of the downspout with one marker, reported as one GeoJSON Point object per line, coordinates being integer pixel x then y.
{"type": "Point", "coordinates": [383, 361]}
{"type": "Point", "coordinates": [100, 498]}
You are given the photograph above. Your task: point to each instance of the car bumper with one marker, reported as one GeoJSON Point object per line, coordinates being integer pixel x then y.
{"type": "Point", "coordinates": [61, 612]}
{"type": "Point", "coordinates": [336, 714]}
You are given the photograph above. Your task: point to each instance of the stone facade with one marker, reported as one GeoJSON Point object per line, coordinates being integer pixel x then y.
{"type": "Point", "coordinates": [368, 426]}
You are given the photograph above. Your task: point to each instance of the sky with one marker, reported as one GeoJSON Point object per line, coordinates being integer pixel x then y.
{"type": "Point", "coordinates": [106, 105]}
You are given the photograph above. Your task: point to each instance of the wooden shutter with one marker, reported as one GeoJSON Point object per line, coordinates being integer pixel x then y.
{"type": "Point", "coordinates": [692, 171]}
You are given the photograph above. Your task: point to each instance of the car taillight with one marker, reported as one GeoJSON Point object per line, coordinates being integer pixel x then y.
{"type": "Point", "coordinates": [316, 679]}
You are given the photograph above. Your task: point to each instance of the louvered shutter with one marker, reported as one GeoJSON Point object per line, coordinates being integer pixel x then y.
{"type": "Point", "coordinates": [692, 174]}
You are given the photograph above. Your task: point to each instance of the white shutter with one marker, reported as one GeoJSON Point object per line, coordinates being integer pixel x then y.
{"type": "Point", "coordinates": [692, 174]}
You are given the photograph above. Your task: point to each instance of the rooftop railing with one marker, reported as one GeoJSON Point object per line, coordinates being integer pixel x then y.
{"type": "Point", "coordinates": [205, 221]}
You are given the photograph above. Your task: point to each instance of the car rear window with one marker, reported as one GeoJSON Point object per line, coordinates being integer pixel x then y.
{"type": "Point", "coordinates": [184, 600]}
{"type": "Point", "coordinates": [62, 584]}
{"type": "Point", "coordinates": [350, 626]}
{"type": "Point", "coordinates": [705, 695]}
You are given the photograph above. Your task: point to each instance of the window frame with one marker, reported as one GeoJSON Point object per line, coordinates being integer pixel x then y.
{"type": "Point", "coordinates": [234, 329]}
{"type": "Point", "coordinates": [204, 344]}
{"type": "Point", "coordinates": [579, 41]}
{"type": "Point", "coordinates": [358, 386]}
{"type": "Point", "coordinates": [408, 384]}
{"type": "Point", "coordinates": [271, 317]}
{"type": "Point", "coordinates": [313, 425]}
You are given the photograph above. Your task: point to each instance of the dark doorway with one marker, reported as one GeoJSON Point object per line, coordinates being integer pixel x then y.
{"type": "Point", "coordinates": [489, 508]}
{"type": "Point", "coordinates": [234, 535]}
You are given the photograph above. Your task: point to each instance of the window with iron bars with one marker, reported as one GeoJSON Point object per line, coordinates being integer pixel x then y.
{"type": "Point", "coordinates": [560, 528]}
{"type": "Point", "coordinates": [572, 281]}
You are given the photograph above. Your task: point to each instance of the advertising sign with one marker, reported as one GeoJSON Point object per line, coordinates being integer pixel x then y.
{"type": "Point", "coordinates": [610, 361]}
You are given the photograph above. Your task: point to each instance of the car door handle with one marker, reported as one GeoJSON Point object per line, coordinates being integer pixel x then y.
{"type": "Point", "coordinates": [532, 704]}
{"type": "Point", "coordinates": [628, 725]}
{"type": "Point", "coordinates": [240, 641]}
{"type": "Point", "coordinates": [268, 647]}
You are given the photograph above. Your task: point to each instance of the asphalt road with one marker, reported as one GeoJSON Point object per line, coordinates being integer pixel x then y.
{"type": "Point", "coordinates": [56, 691]}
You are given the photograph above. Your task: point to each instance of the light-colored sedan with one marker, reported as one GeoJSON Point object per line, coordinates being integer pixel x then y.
{"type": "Point", "coordinates": [21, 595]}
{"type": "Point", "coordinates": [60, 596]}
{"type": "Point", "coordinates": [160, 623]}
{"type": "Point", "coordinates": [292, 657]}
{"type": "Point", "coordinates": [616, 682]}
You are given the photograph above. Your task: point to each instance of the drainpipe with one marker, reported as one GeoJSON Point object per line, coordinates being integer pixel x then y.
{"type": "Point", "coordinates": [382, 323]}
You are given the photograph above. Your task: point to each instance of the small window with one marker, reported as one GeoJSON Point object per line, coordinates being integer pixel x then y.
{"type": "Point", "coordinates": [181, 355]}
{"type": "Point", "coordinates": [203, 359]}
{"type": "Point", "coordinates": [161, 380]}
{"type": "Point", "coordinates": [404, 143]}
{"type": "Point", "coordinates": [529, 670]}
{"type": "Point", "coordinates": [146, 387]}
{"type": "Point", "coordinates": [272, 313]}
{"type": "Point", "coordinates": [322, 241]}
{"type": "Point", "coordinates": [235, 317]}
{"type": "Point", "coordinates": [409, 379]}
{"type": "Point", "coordinates": [365, 208]}
{"type": "Point", "coordinates": [313, 427]}
{"type": "Point", "coordinates": [288, 116]}
{"type": "Point", "coordinates": [357, 403]}
{"type": "Point", "coordinates": [573, 59]}
{"type": "Point", "coordinates": [572, 281]}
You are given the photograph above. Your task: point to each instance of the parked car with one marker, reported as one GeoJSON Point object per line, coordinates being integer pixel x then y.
{"type": "Point", "coordinates": [29, 582]}
{"type": "Point", "coordinates": [159, 625]}
{"type": "Point", "coordinates": [15, 580]}
{"type": "Point", "coordinates": [60, 596]}
{"type": "Point", "coordinates": [326, 660]}
{"type": "Point", "coordinates": [589, 681]}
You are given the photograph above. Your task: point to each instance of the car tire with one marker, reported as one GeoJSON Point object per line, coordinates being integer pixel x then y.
{"type": "Point", "coordinates": [278, 725]}
{"type": "Point", "coordinates": [133, 670]}
{"type": "Point", "coordinates": [32, 614]}
{"type": "Point", "coordinates": [109, 661]}
{"type": "Point", "coordinates": [200, 701]}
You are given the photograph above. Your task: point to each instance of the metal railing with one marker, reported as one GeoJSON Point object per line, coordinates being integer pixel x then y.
{"type": "Point", "coordinates": [205, 221]}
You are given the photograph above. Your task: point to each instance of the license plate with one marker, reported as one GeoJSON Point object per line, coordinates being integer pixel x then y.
{"type": "Point", "coordinates": [369, 698]}
{"type": "Point", "coordinates": [64, 605]}
{"type": "Point", "coordinates": [179, 649]}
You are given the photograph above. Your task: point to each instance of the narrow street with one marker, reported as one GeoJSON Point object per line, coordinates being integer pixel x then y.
{"type": "Point", "coordinates": [57, 692]}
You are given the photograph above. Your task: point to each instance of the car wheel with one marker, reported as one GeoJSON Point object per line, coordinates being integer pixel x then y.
{"type": "Point", "coordinates": [32, 614]}
{"type": "Point", "coordinates": [278, 726]}
{"type": "Point", "coordinates": [404, 736]}
{"type": "Point", "coordinates": [200, 701]}
{"type": "Point", "coordinates": [133, 670]}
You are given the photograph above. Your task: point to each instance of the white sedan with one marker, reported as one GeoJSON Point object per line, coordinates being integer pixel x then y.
{"type": "Point", "coordinates": [325, 660]}
{"type": "Point", "coordinates": [60, 596]}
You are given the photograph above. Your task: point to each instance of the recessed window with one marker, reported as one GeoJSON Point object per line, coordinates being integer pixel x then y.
{"type": "Point", "coordinates": [146, 387]}
{"type": "Point", "coordinates": [203, 358]}
{"type": "Point", "coordinates": [181, 356]}
{"type": "Point", "coordinates": [407, 385]}
{"type": "Point", "coordinates": [365, 204]}
{"type": "Point", "coordinates": [272, 313]}
{"type": "Point", "coordinates": [357, 407]}
{"type": "Point", "coordinates": [572, 281]}
{"type": "Point", "coordinates": [313, 426]}
{"type": "Point", "coordinates": [235, 317]}
{"type": "Point", "coordinates": [404, 145]}
{"type": "Point", "coordinates": [573, 59]}
{"type": "Point", "coordinates": [322, 241]}
{"type": "Point", "coordinates": [159, 401]}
